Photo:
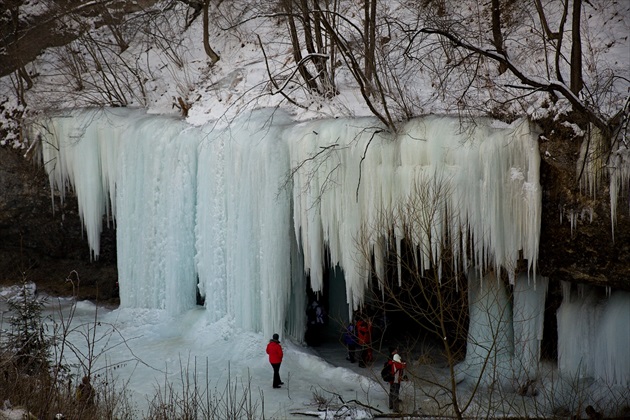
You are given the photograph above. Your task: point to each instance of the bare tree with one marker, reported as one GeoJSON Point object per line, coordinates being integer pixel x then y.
{"type": "Point", "coordinates": [577, 83]}
{"type": "Point", "coordinates": [577, 94]}
{"type": "Point", "coordinates": [311, 45]}
{"type": "Point", "coordinates": [369, 33]}
{"type": "Point", "coordinates": [497, 35]}
{"type": "Point", "coordinates": [418, 284]}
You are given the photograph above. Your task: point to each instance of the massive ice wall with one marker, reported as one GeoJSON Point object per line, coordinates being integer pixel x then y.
{"type": "Point", "coordinates": [241, 213]}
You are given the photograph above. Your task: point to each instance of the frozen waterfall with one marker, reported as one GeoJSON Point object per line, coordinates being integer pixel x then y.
{"type": "Point", "coordinates": [243, 214]}
{"type": "Point", "coordinates": [594, 335]}
{"type": "Point", "coordinates": [504, 334]}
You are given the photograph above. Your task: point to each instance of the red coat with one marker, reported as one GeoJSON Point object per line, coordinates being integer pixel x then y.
{"type": "Point", "coordinates": [363, 332]}
{"type": "Point", "coordinates": [398, 369]}
{"type": "Point", "coordinates": [274, 350]}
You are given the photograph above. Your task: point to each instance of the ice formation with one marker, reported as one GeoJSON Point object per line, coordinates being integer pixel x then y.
{"type": "Point", "coordinates": [490, 342]}
{"type": "Point", "coordinates": [619, 175]}
{"type": "Point", "coordinates": [528, 321]}
{"type": "Point", "coordinates": [595, 164]}
{"type": "Point", "coordinates": [594, 335]}
{"type": "Point", "coordinates": [244, 213]}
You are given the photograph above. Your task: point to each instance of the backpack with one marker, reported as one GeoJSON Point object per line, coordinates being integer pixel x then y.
{"type": "Point", "coordinates": [386, 373]}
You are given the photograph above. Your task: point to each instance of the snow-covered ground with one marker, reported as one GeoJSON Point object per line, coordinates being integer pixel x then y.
{"type": "Point", "coordinates": [146, 349]}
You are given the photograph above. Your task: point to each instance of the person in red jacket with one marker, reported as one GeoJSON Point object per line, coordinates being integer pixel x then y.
{"type": "Point", "coordinates": [274, 350]}
{"type": "Point", "coordinates": [398, 369]}
{"type": "Point", "coordinates": [364, 336]}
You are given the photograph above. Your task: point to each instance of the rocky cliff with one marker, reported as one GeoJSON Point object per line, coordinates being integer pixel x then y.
{"type": "Point", "coordinates": [576, 242]}
{"type": "Point", "coordinates": [45, 246]}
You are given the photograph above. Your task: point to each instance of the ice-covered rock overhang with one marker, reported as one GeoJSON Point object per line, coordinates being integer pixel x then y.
{"type": "Point", "coordinates": [244, 213]}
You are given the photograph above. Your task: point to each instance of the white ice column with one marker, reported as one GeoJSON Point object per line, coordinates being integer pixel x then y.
{"type": "Point", "coordinates": [244, 230]}
{"type": "Point", "coordinates": [490, 346]}
{"type": "Point", "coordinates": [529, 314]}
{"type": "Point", "coordinates": [612, 348]}
{"type": "Point", "coordinates": [156, 195]}
{"type": "Point", "coordinates": [211, 226]}
{"type": "Point", "coordinates": [577, 320]}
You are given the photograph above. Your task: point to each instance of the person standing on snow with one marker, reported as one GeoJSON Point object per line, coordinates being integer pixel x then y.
{"type": "Point", "coordinates": [316, 319]}
{"type": "Point", "coordinates": [350, 340]}
{"type": "Point", "coordinates": [364, 338]}
{"type": "Point", "coordinates": [274, 350]}
{"type": "Point", "coordinates": [398, 368]}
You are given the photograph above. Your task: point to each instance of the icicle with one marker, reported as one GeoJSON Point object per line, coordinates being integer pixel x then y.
{"type": "Point", "coordinates": [573, 221]}
{"type": "Point", "coordinates": [591, 162]}
{"type": "Point", "coordinates": [619, 177]}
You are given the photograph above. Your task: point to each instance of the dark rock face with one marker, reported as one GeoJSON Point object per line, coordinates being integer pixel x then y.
{"type": "Point", "coordinates": [583, 251]}
{"type": "Point", "coordinates": [45, 247]}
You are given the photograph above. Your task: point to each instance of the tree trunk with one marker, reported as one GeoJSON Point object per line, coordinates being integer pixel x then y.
{"type": "Point", "coordinates": [297, 48]}
{"type": "Point", "coordinates": [497, 35]}
{"type": "Point", "coordinates": [369, 34]}
{"type": "Point", "coordinates": [577, 83]}
{"type": "Point", "coordinates": [214, 57]}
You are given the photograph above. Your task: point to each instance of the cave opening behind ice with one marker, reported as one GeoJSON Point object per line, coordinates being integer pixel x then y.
{"type": "Point", "coordinates": [408, 312]}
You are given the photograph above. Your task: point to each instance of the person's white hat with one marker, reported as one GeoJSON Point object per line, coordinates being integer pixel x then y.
{"type": "Point", "coordinates": [397, 358]}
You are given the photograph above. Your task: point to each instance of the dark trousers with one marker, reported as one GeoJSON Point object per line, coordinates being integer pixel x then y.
{"type": "Point", "coordinates": [276, 375]}
{"type": "Point", "coordinates": [394, 396]}
{"type": "Point", "coordinates": [365, 356]}
{"type": "Point", "coordinates": [352, 350]}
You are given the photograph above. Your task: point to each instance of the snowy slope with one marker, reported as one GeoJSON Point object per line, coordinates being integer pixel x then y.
{"type": "Point", "coordinates": [165, 61]}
